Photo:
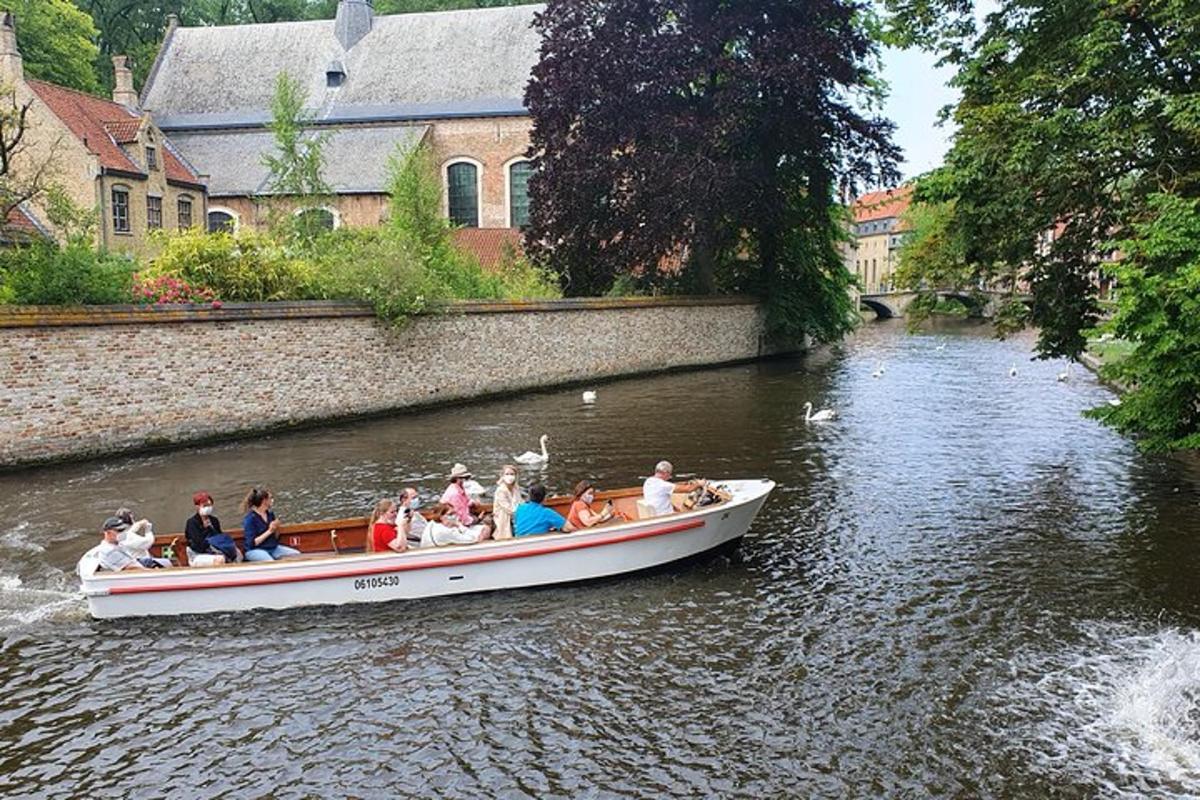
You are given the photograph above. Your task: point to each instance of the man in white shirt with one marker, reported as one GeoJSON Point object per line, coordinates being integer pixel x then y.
{"type": "Point", "coordinates": [409, 503]}
{"type": "Point", "coordinates": [111, 555]}
{"type": "Point", "coordinates": [657, 490]}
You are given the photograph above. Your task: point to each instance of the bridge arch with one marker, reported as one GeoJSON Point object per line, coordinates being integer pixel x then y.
{"type": "Point", "coordinates": [882, 310]}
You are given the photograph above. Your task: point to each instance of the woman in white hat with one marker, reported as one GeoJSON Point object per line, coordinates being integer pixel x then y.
{"type": "Point", "coordinates": [457, 498]}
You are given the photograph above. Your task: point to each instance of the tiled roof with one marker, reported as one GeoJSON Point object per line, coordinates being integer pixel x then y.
{"type": "Point", "coordinates": [467, 58]}
{"type": "Point", "coordinates": [20, 226]}
{"type": "Point", "coordinates": [357, 159]}
{"type": "Point", "coordinates": [488, 244]}
{"type": "Point", "coordinates": [883, 204]}
{"type": "Point", "coordinates": [101, 125]}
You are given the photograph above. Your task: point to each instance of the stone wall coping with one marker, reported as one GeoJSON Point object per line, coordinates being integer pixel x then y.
{"type": "Point", "coordinates": [73, 316]}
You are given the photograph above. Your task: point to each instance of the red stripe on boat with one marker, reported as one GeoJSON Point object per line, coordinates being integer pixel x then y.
{"type": "Point", "coordinates": [553, 547]}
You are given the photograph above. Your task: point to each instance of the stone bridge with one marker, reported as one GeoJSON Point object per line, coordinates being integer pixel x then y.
{"type": "Point", "coordinates": [894, 303]}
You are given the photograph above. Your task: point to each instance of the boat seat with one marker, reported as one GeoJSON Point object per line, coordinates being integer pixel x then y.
{"type": "Point", "coordinates": [645, 510]}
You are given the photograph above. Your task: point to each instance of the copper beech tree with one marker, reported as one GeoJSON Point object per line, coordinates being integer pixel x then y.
{"type": "Point", "coordinates": [709, 133]}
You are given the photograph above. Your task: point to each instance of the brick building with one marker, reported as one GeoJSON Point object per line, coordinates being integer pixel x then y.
{"type": "Point", "coordinates": [105, 154]}
{"type": "Point", "coordinates": [376, 85]}
{"type": "Point", "coordinates": [878, 232]}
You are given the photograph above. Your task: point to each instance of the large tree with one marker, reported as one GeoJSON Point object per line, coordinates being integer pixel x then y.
{"type": "Point", "coordinates": [1078, 116]}
{"type": "Point", "coordinates": [57, 41]}
{"type": "Point", "coordinates": [713, 131]}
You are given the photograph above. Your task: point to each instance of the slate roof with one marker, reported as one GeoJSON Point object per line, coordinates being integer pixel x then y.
{"type": "Point", "coordinates": [102, 126]}
{"type": "Point", "coordinates": [356, 157]}
{"type": "Point", "coordinates": [446, 59]}
{"type": "Point", "coordinates": [882, 204]}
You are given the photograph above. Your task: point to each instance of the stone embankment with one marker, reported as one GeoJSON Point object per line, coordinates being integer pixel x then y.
{"type": "Point", "coordinates": [90, 382]}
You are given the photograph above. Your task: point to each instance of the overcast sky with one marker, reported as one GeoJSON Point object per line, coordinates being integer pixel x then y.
{"type": "Point", "coordinates": [918, 92]}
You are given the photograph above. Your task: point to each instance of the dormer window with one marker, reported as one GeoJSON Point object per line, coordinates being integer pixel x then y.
{"type": "Point", "coordinates": [151, 158]}
{"type": "Point", "coordinates": [335, 75]}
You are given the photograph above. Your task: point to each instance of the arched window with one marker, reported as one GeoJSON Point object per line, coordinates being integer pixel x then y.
{"type": "Point", "coordinates": [462, 193]}
{"type": "Point", "coordinates": [317, 219]}
{"type": "Point", "coordinates": [518, 193]}
{"type": "Point", "coordinates": [222, 219]}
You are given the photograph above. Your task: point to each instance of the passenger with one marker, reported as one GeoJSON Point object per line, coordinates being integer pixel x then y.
{"type": "Point", "coordinates": [111, 555]}
{"type": "Point", "coordinates": [657, 490]}
{"type": "Point", "coordinates": [446, 528]}
{"type": "Point", "coordinates": [259, 528]}
{"type": "Point", "coordinates": [207, 544]}
{"type": "Point", "coordinates": [457, 498]}
{"type": "Point", "coordinates": [384, 531]}
{"type": "Point", "coordinates": [532, 517]}
{"type": "Point", "coordinates": [409, 503]}
{"type": "Point", "coordinates": [581, 515]}
{"type": "Point", "coordinates": [504, 505]}
{"type": "Point", "coordinates": [138, 537]}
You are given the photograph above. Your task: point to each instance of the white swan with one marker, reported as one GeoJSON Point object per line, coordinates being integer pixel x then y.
{"type": "Point", "coordinates": [1065, 375]}
{"type": "Point", "coordinates": [1012, 371]}
{"type": "Point", "coordinates": [940, 347]}
{"type": "Point", "coordinates": [1114, 401]}
{"type": "Point", "coordinates": [589, 397]}
{"type": "Point", "coordinates": [530, 457]}
{"type": "Point", "coordinates": [473, 488]}
{"type": "Point", "coordinates": [878, 373]}
{"type": "Point", "coordinates": [824, 415]}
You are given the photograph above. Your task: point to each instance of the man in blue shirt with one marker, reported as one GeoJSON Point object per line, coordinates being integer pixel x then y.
{"type": "Point", "coordinates": [533, 517]}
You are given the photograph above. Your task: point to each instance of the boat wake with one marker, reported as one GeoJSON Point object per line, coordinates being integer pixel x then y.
{"type": "Point", "coordinates": [21, 606]}
{"type": "Point", "coordinates": [1126, 714]}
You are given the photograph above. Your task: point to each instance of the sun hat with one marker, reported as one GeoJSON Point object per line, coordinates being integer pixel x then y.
{"type": "Point", "coordinates": [459, 471]}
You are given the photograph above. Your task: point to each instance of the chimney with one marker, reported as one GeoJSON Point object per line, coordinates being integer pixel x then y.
{"type": "Point", "coordinates": [123, 92]}
{"type": "Point", "coordinates": [11, 68]}
{"type": "Point", "coordinates": [353, 21]}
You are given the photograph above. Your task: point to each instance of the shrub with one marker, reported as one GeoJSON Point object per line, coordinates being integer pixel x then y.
{"type": "Point", "coordinates": [244, 266]}
{"type": "Point", "coordinates": [43, 273]}
{"type": "Point", "coordinates": [168, 289]}
{"type": "Point", "coordinates": [521, 279]}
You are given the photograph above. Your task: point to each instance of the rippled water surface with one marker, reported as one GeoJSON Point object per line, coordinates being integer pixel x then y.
{"type": "Point", "coordinates": [961, 588]}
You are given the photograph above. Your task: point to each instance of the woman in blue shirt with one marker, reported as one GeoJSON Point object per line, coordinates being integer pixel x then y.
{"type": "Point", "coordinates": [260, 528]}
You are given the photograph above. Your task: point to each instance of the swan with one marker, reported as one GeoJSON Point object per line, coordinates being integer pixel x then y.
{"type": "Point", "coordinates": [589, 397]}
{"type": "Point", "coordinates": [940, 347]}
{"type": "Point", "coordinates": [878, 373]}
{"type": "Point", "coordinates": [1065, 374]}
{"type": "Point", "coordinates": [530, 457]}
{"type": "Point", "coordinates": [824, 415]}
{"type": "Point", "coordinates": [1012, 371]}
{"type": "Point", "coordinates": [473, 488]}
{"type": "Point", "coordinates": [1114, 401]}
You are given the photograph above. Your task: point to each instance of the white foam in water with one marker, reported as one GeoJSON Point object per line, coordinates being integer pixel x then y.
{"type": "Point", "coordinates": [1121, 713]}
{"type": "Point", "coordinates": [20, 605]}
{"type": "Point", "coordinates": [9, 583]}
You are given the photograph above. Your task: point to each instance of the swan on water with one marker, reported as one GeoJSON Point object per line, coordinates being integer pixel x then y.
{"type": "Point", "coordinates": [1012, 371]}
{"type": "Point", "coordinates": [589, 397]}
{"type": "Point", "coordinates": [1065, 375]}
{"type": "Point", "coordinates": [1114, 401]}
{"type": "Point", "coordinates": [878, 373]}
{"type": "Point", "coordinates": [473, 488]}
{"type": "Point", "coordinates": [941, 346]}
{"type": "Point", "coordinates": [824, 415]}
{"type": "Point", "coordinates": [530, 457]}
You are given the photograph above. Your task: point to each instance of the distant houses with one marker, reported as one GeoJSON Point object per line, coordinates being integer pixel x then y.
{"type": "Point", "coordinates": [877, 230]}
{"type": "Point", "coordinates": [104, 154]}
{"type": "Point", "coordinates": [377, 85]}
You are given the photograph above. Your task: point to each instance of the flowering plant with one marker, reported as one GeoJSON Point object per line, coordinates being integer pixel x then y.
{"type": "Point", "coordinates": [160, 289]}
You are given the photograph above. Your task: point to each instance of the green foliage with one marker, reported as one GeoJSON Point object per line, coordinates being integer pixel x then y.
{"type": "Point", "coordinates": [296, 165]}
{"type": "Point", "coordinates": [244, 266]}
{"type": "Point", "coordinates": [1159, 312]}
{"type": "Point", "coordinates": [57, 42]}
{"type": "Point", "coordinates": [932, 254]}
{"type": "Point", "coordinates": [43, 273]}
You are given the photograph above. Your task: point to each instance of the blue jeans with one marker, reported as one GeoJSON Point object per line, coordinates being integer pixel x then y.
{"type": "Point", "coordinates": [274, 554]}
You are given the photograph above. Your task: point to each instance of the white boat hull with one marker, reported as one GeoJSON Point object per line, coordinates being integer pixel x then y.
{"type": "Point", "coordinates": [381, 577]}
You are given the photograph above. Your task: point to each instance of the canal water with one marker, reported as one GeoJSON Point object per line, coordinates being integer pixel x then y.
{"type": "Point", "coordinates": [961, 588]}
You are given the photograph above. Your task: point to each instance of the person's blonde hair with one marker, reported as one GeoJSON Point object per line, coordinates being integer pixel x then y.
{"type": "Point", "coordinates": [381, 508]}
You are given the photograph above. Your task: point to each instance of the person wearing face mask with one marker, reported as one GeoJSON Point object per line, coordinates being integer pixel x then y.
{"type": "Point", "coordinates": [457, 498]}
{"type": "Point", "coordinates": [581, 514]}
{"type": "Point", "coordinates": [207, 544]}
{"type": "Point", "coordinates": [504, 505]}
{"type": "Point", "coordinates": [414, 522]}
{"type": "Point", "coordinates": [261, 529]}
{"type": "Point", "coordinates": [446, 528]}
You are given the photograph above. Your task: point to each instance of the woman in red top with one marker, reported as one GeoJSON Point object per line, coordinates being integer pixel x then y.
{"type": "Point", "coordinates": [581, 515]}
{"type": "Point", "coordinates": [382, 532]}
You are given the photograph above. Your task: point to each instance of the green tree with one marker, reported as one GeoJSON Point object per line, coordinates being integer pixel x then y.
{"type": "Point", "coordinates": [297, 164]}
{"type": "Point", "coordinates": [57, 42]}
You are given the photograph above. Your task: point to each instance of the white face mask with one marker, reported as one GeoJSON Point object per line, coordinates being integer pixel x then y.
{"type": "Point", "coordinates": [206, 510]}
{"type": "Point", "coordinates": [510, 479]}
{"type": "Point", "coordinates": [589, 498]}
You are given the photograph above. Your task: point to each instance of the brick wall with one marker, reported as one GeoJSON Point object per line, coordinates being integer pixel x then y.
{"type": "Point", "coordinates": [83, 383]}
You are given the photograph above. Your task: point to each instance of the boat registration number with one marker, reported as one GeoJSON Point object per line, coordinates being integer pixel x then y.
{"type": "Point", "coordinates": [377, 582]}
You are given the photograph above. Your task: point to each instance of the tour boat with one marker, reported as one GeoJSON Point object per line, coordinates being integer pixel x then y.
{"type": "Point", "coordinates": [334, 569]}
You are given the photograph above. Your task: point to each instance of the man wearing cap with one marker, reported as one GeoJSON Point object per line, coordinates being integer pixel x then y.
{"type": "Point", "coordinates": [457, 498]}
{"type": "Point", "coordinates": [111, 554]}
{"type": "Point", "coordinates": [138, 537]}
